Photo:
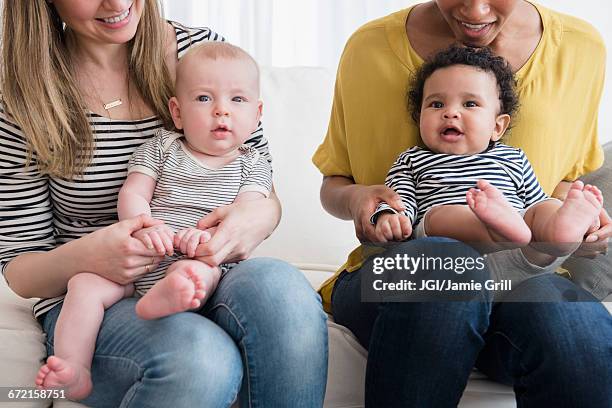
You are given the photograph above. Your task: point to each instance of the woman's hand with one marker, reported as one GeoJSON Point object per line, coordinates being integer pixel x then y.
{"type": "Point", "coordinates": [596, 242]}
{"type": "Point", "coordinates": [241, 226]}
{"type": "Point", "coordinates": [159, 237]}
{"type": "Point", "coordinates": [363, 203]}
{"type": "Point", "coordinates": [112, 252]}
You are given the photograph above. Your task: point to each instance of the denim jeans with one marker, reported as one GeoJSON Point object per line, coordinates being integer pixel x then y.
{"type": "Point", "coordinates": [553, 353]}
{"type": "Point", "coordinates": [262, 332]}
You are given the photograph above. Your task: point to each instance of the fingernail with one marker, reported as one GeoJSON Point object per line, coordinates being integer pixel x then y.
{"type": "Point", "coordinates": [591, 238]}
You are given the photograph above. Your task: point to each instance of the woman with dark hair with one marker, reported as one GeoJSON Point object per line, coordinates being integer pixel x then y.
{"type": "Point", "coordinates": [83, 85]}
{"type": "Point", "coordinates": [421, 354]}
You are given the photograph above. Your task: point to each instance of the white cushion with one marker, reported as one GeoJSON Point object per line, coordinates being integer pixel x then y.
{"type": "Point", "coordinates": [22, 344]}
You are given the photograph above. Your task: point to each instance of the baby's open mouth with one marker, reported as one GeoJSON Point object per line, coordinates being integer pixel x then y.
{"type": "Point", "coordinates": [451, 131]}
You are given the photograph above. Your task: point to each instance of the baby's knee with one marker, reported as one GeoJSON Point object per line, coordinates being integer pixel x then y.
{"type": "Point", "coordinates": [85, 281]}
{"type": "Point", "coordinates": [96, 287]}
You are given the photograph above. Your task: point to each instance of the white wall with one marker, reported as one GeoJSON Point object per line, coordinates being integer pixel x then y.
{"type": "Point", "coordinates": [313, 32]}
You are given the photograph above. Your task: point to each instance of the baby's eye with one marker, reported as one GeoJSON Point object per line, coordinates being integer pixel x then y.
{"type": "Point", "coordinates": [203, 98]}
{"type": "Point", "coordinates": [470, 104]}
{"type": "Point", "coordinates": [238, 99]}
{"type": "Point", "coordinates": [436, 104]}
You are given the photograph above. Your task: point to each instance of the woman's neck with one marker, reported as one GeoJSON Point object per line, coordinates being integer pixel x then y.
{"type": "Point", "coordinates": [428, 33]}
{"type": "Point", "coordinates": [523, 26]}
{"type": "Point", "coordinates": [103, 76]}
{"type": "Point", "coordinates": [101, 57]}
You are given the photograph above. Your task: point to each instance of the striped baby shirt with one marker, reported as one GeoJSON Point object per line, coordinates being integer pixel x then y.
{"type": "Point", "coordinates": [186, 189]}
{"type": "Point", "coordinates": [424, 179]}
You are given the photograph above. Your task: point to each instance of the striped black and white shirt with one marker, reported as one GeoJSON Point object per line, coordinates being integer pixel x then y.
{"type": "Point", "coordinates": [424, 179]}
{"type": "Point", "coordinates": [38, 212]}
{"type": "Point", "coordinates": [186, 189]}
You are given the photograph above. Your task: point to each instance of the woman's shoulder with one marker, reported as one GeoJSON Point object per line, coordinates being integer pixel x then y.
{"type": "Point", "coordinates": [188, 36]}
{"type": "Point", "coordinates": [380, 43]}
{"type": "Point", "coordinates": [574, 33]}
{"type": "Point", "coordinates": [372, 33]}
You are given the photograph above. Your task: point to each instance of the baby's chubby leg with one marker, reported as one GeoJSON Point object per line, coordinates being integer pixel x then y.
{"type": "Point", "coordinates": [561, 226]}
{"type": "Point", "coordinates": [488, 218]}
{"type": "Point", "coordinates": [187, 285]}
{"type": "Point", "coordinates": [76, 332]}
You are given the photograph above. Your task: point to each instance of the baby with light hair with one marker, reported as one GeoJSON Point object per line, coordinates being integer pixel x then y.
{"type": "Point", "coordinates": [178, 178]}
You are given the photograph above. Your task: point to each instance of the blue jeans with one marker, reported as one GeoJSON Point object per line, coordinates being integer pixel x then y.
{"type": "Point", "coordinates": [262, 332]}
{"type": "Point", "coordinates": [421, 354]}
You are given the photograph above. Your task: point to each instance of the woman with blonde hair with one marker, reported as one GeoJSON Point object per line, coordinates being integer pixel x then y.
{"type": "Point", "coordinates": [83, 85]}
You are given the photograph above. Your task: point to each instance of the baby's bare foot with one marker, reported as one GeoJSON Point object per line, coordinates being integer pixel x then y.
{"type": "Point", "coordinates": [501, 219]}
{"type": "Point", "coordinates": [184, 288]}
{"type": "Point", "coordinates": [578, 214]}
{"type": "Point", "coordinates": [60, 373]}
{"type": "Point", "coordinates": [599, 196]}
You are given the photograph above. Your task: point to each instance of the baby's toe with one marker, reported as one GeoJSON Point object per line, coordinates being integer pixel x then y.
{"type": "Point", "coordinates": [577, 185]}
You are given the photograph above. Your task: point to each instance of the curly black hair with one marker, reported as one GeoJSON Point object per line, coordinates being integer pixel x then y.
{"type": "Point", "coordinates": [481, 58]}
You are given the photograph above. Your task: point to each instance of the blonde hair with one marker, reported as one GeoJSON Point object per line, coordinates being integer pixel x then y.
{"type": "Point", "coordinates": [40, 91]}
{"type": "Point", "coordinates": [214, 50]}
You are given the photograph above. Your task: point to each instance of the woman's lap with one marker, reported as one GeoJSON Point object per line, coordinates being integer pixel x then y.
{"type": "Point", "coordinates": [558, 336]}
{"type": "Point", "coordinates": [150, 362]}
{"type": "Point", "coordinates": [168, 361]}
{"type": "Point", "coordinates": [537, 345]}
{"type": "Point", "coordinates": [410, 357]}
{"type": "Point", "coordinates": [275, 316]}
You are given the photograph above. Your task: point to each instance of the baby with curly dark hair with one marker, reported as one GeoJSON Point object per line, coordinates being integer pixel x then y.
{"type": "Point", "coordinates": [464, 183]}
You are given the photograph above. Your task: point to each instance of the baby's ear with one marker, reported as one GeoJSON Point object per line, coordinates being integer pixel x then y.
{"type": "Point", "coordinates": [501, 125]}
{"type": "Point", "coordinates": [175, 111]}
{"type": "Point", "coordinates": [259, 111]}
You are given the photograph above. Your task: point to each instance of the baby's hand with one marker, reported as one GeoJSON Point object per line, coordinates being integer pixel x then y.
{"type": "Point", "coordinates": [159, 237]}
{"type": "Point", "coordinates": [188, 239]}
{"type": "Point", "coordinates": [392, 227]}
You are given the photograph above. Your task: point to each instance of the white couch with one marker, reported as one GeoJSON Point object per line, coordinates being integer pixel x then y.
{"type": "Point", "coordinates": [296, 110]}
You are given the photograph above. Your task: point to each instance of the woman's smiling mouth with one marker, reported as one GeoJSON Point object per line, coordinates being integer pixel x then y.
{"type": "Point", "coordinates": [475, 30]}
{"type": "Point", "coordinates": [117, 19]}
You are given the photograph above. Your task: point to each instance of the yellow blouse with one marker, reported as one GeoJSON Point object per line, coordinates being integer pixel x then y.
{"type": "Point", "coordinates": [559, 90]}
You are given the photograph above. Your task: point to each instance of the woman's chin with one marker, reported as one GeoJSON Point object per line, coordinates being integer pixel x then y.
{"type": "Point", "coordinates": [120, 35]}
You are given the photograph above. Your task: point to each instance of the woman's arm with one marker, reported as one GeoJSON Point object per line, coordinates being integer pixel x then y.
{"type": "Point", "coordinates": [344, 199]}
{"type": "Point", "coordinates": [110, 252]}
{"type": "Point", "coordinates": [44, 274]}
{"type": "Point", "coordinates": [336, 195]}
{"type": "Point", "coordinates": [561, 190]}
